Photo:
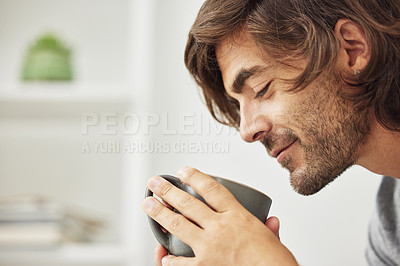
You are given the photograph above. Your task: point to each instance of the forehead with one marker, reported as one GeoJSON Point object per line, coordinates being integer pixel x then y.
{"type": "Point", "coordinates": [234, 54]}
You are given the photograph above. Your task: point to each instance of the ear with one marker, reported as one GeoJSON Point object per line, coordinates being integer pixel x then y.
{"type": "Point", "coordinates": [354, 53]}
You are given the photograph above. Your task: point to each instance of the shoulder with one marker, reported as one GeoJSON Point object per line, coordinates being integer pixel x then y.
{"type": "Point", "coordinates": [384, 229]}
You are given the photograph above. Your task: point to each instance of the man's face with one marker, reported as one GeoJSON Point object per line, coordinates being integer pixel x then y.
{"type": "Point", "coordinates": [313, 133]}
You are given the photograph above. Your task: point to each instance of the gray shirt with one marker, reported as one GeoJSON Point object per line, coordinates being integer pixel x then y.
{"type": "Point", "coordinates": [384, 228]}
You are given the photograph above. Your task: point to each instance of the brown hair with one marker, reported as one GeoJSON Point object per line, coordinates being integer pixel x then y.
{"type": "Point", "coordinates": [300, 28]}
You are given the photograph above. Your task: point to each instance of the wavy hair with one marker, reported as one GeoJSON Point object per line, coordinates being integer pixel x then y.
{"type": "Point", "coordinates": [301, 28]}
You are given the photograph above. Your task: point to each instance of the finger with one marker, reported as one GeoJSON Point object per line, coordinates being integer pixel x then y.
{"type": "Point", "coordinates": [169, 207]}
{"type": "Point", "coordinates": [273, 224]}
{"type": "Point", "coordinates": [177, 261]}
{"type": "Point", "coordinates": [173, 222]}
{"type": "Point", "coordinates": [167, 204]}
{"type": "Point", "coordinates": [215, 194]}
{"type": "Point", "coordinates": [187, 204]}
{"type": "Point", "coordinates": [159, 253]}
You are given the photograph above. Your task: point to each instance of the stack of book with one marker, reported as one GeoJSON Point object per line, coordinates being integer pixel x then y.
{"type": "Point", "coordinates": [34, 221]}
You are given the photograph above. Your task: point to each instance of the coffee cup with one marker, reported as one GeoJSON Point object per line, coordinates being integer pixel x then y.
{"type": "Point", "coordinates": [253, 200]}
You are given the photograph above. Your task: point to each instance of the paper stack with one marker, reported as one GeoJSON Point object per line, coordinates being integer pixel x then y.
{"type": "Point", "coordinates": [34, 221]}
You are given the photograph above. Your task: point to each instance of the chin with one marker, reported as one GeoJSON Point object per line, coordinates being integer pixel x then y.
{"type": "Point", "coordinates": [307, 183]}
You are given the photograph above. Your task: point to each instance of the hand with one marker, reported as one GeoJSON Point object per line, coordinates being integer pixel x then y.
{"type": "Point", "coordinates": [225, 234]}
{"type": "Point", "coordinates": [160, 252]}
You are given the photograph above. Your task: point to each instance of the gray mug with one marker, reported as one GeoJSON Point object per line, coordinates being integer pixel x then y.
{"type": "Point", "coordinates": [254, 201]}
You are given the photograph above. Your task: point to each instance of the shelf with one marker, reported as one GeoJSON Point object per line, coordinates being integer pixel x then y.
{"type": "Point", "coordinates": [41, 122]}
{"type": "Point", "coordinates": [59, 92]}
{"type": "Point", "coordinates": [73, 254]}
{"type": "Point", "coordinates": [50, 100]}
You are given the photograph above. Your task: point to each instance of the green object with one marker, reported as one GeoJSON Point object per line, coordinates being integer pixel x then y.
{"type": "Point", "coordinates": [47, 59]}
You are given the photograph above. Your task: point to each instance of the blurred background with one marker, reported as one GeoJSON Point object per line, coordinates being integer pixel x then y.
{"type": "Point", "coordinates": [94, 100]}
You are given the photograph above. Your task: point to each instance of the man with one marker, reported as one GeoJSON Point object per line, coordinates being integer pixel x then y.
{"type": "Point", "coordinates": [317, 83]}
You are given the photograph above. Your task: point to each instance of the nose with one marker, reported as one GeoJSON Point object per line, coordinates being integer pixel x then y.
{"type": "Point", "coordinates": [254, 123]}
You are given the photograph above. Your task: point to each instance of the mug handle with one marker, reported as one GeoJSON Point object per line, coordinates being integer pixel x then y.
{"type": "Point", "coordinates": [156, 227]}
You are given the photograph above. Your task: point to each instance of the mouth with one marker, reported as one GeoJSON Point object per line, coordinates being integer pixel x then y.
{"type": "Point", "coordinates": [277, 152]}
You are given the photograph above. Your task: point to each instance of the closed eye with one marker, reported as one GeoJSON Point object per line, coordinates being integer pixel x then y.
{"type": "Point", "coordinates": [263, 91]}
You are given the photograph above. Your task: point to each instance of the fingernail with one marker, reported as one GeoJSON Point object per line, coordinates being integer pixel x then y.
{"type": "Point", "coordinates": [183, 172]}
{"type": "Point", "coordinates": [164, 261]}
{"type": "Point", "coordinates": [154, 182]}
{"type": "Point", "coordinates": [148, 204]}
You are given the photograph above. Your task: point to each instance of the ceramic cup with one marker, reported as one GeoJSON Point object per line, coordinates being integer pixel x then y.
{"type": "Point", "coordinates": [254, 201]}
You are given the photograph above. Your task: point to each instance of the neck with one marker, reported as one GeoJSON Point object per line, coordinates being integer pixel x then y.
{"type": "Point", "coordinates": [381, 154]}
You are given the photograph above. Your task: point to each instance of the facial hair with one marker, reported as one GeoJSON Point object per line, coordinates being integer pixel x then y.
{"type": "Point", "coordinates": [332, 132]}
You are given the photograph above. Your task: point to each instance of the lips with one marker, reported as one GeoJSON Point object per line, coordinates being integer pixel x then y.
{"type": "Point", "coordinates": [276, 152]}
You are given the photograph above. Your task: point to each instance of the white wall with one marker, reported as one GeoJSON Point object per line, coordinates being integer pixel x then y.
{"type": "Point", "coordinates": [325, 229]}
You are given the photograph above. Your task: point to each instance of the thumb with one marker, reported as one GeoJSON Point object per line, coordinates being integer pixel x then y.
{"type": "Point", "coordinates": [159, 253]}
{"type": "Point", "coordinates": [177, 261]}
{"type": "Point", "coordinates": [273, 224]}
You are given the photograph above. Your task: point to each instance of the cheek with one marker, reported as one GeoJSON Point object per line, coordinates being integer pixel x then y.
{"type": "Point", "coordinates": [283, 110]}
{"type": "Point", "coordinates": [298, 153]}
{"type": "Point", "coordinates": [300, 115]}
{"type": "Point", "coordinates": [272, 111]}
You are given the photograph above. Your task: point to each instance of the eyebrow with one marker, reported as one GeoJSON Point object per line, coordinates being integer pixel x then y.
{"type": "Point", "coordinates": [243, 75]}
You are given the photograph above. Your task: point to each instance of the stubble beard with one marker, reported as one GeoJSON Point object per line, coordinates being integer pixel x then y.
{"type": "Point", "coordinates": [333, 133]}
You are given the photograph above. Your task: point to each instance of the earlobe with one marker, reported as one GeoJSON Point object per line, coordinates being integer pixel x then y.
{"type": "Point", "coordinates": [354, 53]}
